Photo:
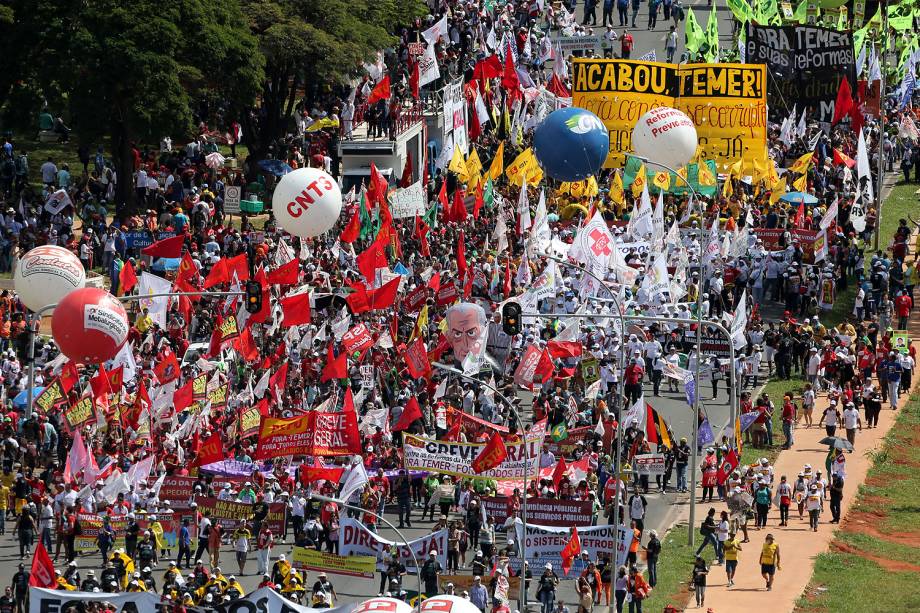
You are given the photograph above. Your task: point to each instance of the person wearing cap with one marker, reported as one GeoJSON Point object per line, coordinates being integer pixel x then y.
{"type": "Point", "coordinates": [241, 536]}
{"type": "Point", "coordinates": [769, 560]}
{"type": "Point", "coordinates": [546, 587]}
{"type": "Point", "coordinates": [479, 595]}
{"type": "Point", "coordinates": [430, 573]}
{"type": "Point", "coordinates": [814, 504]}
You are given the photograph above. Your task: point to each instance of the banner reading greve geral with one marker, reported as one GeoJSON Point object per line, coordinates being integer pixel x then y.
{"type": "Point", "coordinates": [727, 103]}
{"type": "Point", "coordinates": [317, 433]}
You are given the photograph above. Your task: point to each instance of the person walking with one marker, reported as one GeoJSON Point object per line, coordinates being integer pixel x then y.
{"type": "Point", "coordinates": [851, 422]}
{"type": "Point", "coordinates": [836, 494]}
{"type": "Point", "coordinates": [635, 11]}
{"type": "Point", "coordinates": [784, 495]}
{"type": "Point", "coordinates": [708, 530]}
{"type": "Point", "coordinates": [619, 588]}
{"type": "Point", "coordinates": [638, 590]}
{"type": "Point", "coordinates": [652, 551]}
{"type": "Point", "coordinates": [813, 504]}
{"type": "Point", "coordinates": [184, 539]}
{"type": "Point", "coordinates": [762, 499]}
{"type": "Point", "coordinates": [623, 12]}
{"type": "Point", "coordinates": [730, 549]}
{"type": "Point", "coordinates": [700, 570]}
{"type": "Point", "coordinates": [670, 48]}
{"type": "Point", "coordinates": [769, 561]}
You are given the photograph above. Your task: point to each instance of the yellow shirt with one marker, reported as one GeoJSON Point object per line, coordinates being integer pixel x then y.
{"type": "Point", "coordinates": [731, 547]}
{"type": "Point", "coordinates": [143, 322]}
{"type": "Point", "coordinates": [7, 479]}
{"type": "Point", "coordinates": [768, 553]}
{"type": "Point", "coordinates": [4, 497]}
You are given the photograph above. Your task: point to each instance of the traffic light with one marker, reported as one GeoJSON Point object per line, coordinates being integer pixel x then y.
{"type": "Point", "coordinates": [253, 297]}
{"type": "Point", "coordinates": [511, 318]}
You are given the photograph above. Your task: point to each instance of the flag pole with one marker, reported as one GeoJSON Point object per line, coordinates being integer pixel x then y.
{"type": "Point", "coordinates": [883, 7]}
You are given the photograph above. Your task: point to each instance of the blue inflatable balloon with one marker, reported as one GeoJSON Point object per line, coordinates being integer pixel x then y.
{"type": "Point", "coordinates": [571, 144]}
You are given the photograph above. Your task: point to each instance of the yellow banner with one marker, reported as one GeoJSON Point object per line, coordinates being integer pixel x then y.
{"type": "Point", "coordinates": [727, 103]}
{"type": "Point", "coordinates": [306, 558]}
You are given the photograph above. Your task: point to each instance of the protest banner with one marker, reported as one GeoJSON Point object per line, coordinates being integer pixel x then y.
{"type": "Point", "coordinates": [569, 44]}
{"type": "Point", "coordinates": [263, 600]}
{"type": "Point", "coordinates": [422, 453]}
{"type": "Point", "coordinates": [566, 446]}
{"type": "Point", "coordinates": [900, 341]}
{"type": "Point", "coordinates": [357, 339]}
{"type": "Point", "coordinates": [91, 524]}
{"type": "Point", "coordinates": [652, 464]}
{"type": "Point", "coordinates": [249, 419]}
{"type": "Point", "coordinates": [51, 396]}
{"type": "Point", "coordinates": [727, 103]}
{"type": "Point", "coordinates": [471, 420]}
{"type": "Point", "coordinates": [356, 539]}
{"type": "Point", "coordinates": [317, 433]}
{"type": "Point", "coordinates": [409, 201]}
{"type": "Point", "coordinates": [545, 544]}
{"type": "Point", "coordinates": [79, 413]}
{"type": "Point", "coordinates": [465, 582]}
{"type": "Point", "coordinates": [772, 237]}
{"type": "Point", "coordinates": [229, 513]}
{"type": "Point", "coordinates": [546, 511]}
{"type": "Point", "coordinates": [308, 558]}
{"type": "Point", "coordinates": [806, 63]}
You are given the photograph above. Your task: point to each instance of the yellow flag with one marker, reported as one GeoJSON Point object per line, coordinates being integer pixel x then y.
{"type": "Point", "coordinates": [564, 188]}
{"type": "Point", "coordinates": [735, 169]}
{"type": "Point", "coordinates": [705, 176]}
{"type": "Point", "coordinates": [760, 172]}
{"type": "Point", "coordinates": [639, 182]}
{"type": "Point", "coordinates": [662, 180]}
{"type": "Point", "coordinates": [473, 183]}
{"type": "Point", "coordinates": [682, 173]}
{"type": "Point", "coordinates": [801, 183]}
{"type": "Point", "coordinates": [801, 165]}
{"type": "Point", "coordinates": [578, 189]}
{"type": "Point", "coordinates": [421, 323]}
{"type": "Point", "coordinates": [498, 166]}
{"type": "Point", "coordinates": [458, 165]}
{"type": "Point", "coordinates": [473, 165]}
{"type": "Point", "coordinates": [524, 164]}
{"type": "Point", "coordinates": [592, 189]}
{"type": "Point", "coordinates": [778, 188]}
{"type": "Point", "coordinates": [727, 189]}
{"type": "Point", "coordinates": [616, 188]}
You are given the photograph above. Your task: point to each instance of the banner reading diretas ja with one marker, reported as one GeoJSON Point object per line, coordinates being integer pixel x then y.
{"type": "Point", "coordinates": [727, 103]}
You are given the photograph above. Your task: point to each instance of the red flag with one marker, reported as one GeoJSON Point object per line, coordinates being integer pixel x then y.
{"type": "Point", "coordinates": [459, 211]}
{"type": "Point", "coordinates": [247, 344]}
{"type": "Point", "coordinates": [384, 297]}
{"type": "Point", "coordinates": [416, 359]}
{"type": "Point", "coordinates": [167, 367]}
{"type": "Point", "coordinates": [409, 415]}
{"type": "Point", "coordinates": [454, 433]}
{"type": "Point", "coordinates": [421, 231]}
{"type": "Point", "coordinates": [727, 467]}
{"type": "Point", "coordinates": [559, 472]}
{"type": "Point", "coordinates": [240, 265]}
{"type": "Point", "coordinates": [800, 215]}
{"type": "Point", "coordinates": [506, 288]}
{"type": "Point", "coordinates": [445, 205]}
{"type": "Point", "coordinates": [461, 255]}
{"type": "Point", "coordinates": [70, 376]}
{"type": "Point", "coordinates": [212, 450]}
{"type": "Point", "coordinates": [571, 550]}
{"type": "Point", "coordinates": [100, 383]}
{"type": "Point", "coordinates": [381, 91]}
{"type": "Point", "coordinates": [406, 179]}
{"type": "Point", "coordinates": [488, 68]}
{"type": "Point", "coordinates": [371, 259]}
{"type": "Point", "coordinates": [510, 80]}
{"type": "Point", "coordinates": [349, 404]}
{"type": "Point", "coordinates": [842, 158]}
{"type": "Point", "coordinates": [545, 368]}
{"type": "Point", "coordinates": [286, 274]}
{"type": "Point", "coordinates": [219, 274]}
{"type": "Point", "coordinates": [187, 269]}
{"type": "Point", "coordinates": [493, 454]}
{"type": "Point", "coordinates": [353, 229]}
{"type": "Point", "coordinates": [42, 574]}
{"type": "Point", "coordinates": [185, 308]}
{"type": "Point", "coordinates": [358, 301]}
{"type": "Point", "coordinates": [278, 380]}
{"type": "Point", "coordinates": [414, 78]}
{"type": "Point", "coordinates": [127, 278]}
{"type": "Point", "coordinates": [557, 87]}
{"type": "Point", "coordinates": [116, 379]}
{"type": "Point", "coordinates": [336, 366]}
{"type": "Point", "coordinates": [216, 338]}
{"type": "Point", "coordinates": [844, 102]}
{"type": "Point", "coordinates": [184, 396]}
{"type": "Point", "coordinates": [296, 310]}
{"type": "Point", "coordinates": [376, 189]}
{"type": "Point", "coordinates": [477, 205]}
{"type": "Point", "coordinates": [564, 349]}
{"type": "Point", "coordinates": [166, 248]}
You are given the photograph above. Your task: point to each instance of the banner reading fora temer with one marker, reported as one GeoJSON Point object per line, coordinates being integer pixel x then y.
{"type": "Point", "coordinates": [423, 453]}
{"type": "Point", "coordinates": [727, 103]}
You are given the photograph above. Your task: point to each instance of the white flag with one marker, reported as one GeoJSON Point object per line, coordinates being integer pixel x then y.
{"type": "Point", "coordinates": [830, 217]}
{"type": "Point", "coordinates": [355, 480]}
{"type": "Point", "coordinates": [635, 413]}
{"type": "Point", "coordinates": [482, 113]}
{"type": "Point", "coordinates": [739, 323]}
{"type": "Point", "coordinates": [58, 201]}
{"type": "Point", "coordinates": [523, 211]}
{"type": "Point", "coordinates": [435, 32]}
{"type": "Point", "coordinates": [156, 307]}
{"type": "Point", "coordinates": [428, 69]}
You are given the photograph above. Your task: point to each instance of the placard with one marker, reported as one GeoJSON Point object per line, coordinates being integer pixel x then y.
{"type": "Point", "coordinates": [308, 558]}
{"type": "Point", "coordinates": [409, 201]}
{"type": "Point", "coordinates": [652, 464]}
{"type": "Point", "coordinates": [545, 511]}
{"type": "Point", "coordinates": [233, 194]}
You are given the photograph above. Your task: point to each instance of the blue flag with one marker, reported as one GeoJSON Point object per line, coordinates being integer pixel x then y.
{"type": "Point", "coordinates": [748, 419]}
{"type": "Point", "coordinates": [690, 390]}
{"type": "Point", "coordinates": [704, 434]}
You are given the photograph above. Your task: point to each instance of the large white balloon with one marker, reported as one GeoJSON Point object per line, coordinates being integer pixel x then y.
{"type": "Point", "coordinates": [46, 274]}
{"type": "Point", "coordinates": [383, 605]}
{"type": "Point", "coordinates": [666, 136]}
{"type": "Point", "coordinates": [307, 202]}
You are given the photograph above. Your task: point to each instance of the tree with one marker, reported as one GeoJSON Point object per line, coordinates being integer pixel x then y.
{"type": "Point", "coordinates": [314, 42]}
{"type": "Point", "coordinates": [134, 70]}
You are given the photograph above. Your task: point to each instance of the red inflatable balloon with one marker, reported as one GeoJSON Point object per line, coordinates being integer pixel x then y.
{"type": "Point", "coordinates": [89, 325]}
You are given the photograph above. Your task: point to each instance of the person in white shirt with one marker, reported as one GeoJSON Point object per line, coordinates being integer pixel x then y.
{"type": "Point", "coordinates": [851, 421]}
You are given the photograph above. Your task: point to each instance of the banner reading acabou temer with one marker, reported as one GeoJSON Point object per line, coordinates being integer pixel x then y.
{"type": "Point", "coordinates": [727, 103]}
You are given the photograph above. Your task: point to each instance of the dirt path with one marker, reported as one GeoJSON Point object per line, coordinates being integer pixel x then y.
{"type": "Point", "coordinates": [798, 544]}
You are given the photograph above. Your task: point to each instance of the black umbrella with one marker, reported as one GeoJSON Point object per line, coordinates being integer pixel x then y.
{"type": "Point", "coordinates": [837, 442]}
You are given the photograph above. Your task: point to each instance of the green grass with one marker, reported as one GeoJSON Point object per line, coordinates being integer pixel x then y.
{"type": "Point", "coordinates": [775, 388]}
{"type": "Point", "coordinates": [861, 566]}
{"type": "Point", "coordinates": [674, 566]}
{"type": "Point", "coordinates": [900, 203]}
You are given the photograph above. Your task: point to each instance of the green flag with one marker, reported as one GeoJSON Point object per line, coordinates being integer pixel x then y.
{"type": "Point", "coordinates": [901, 23]}
{"type": "Point", "coordinates": [710, 48]}
{"type": "Point", "coordinates": [801, 12]}
{"type": "Point", "coordinates": [741, 10]}
{"type": "Point", "coordinates": [367, 223]}
{"type": "Point", "coordinates": [859, 39]}
{"type": "Point", "coordinates": [488, 194]}
{"type": "Point", "coordinates": [843, 21]}
{"type": "Point", "coordinates": [559, 432]}
{"type": "Point", "coordinates": [431, 215]}
{"type": "Point", "coordinates": [693, 32]}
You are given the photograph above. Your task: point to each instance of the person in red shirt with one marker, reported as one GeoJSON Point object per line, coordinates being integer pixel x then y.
{"type": "Point", "coordinates": [626, 44]}
{"type": "Point", "coordinates": [903, 305]}
{"type": "Point", "coordinates": [788, 418]}
{"type": "Point", "coordinates": [382, 484]}
{"type": "Point", "coordinates": [633, 380]}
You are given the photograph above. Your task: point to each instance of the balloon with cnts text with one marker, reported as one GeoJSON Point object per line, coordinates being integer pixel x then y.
{"type": "Point", "coordinates": [571, 144]}
{"type": "Point", "coordinates": [383, 605]}
{"type": "Point", "coordinates": [89, 325]}
{"type": "Point", "coordinates": [46, 274]}
{"type": "Point", "coordinates": [448, 604]}
{"type": "Point", "coordinates": [666, 136]}
{"type": "Point", "coordinates": [307, 202]}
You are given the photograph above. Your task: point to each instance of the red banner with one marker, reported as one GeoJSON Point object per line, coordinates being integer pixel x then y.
{"type": "Point", "coordinates": [566, 446]}
{"type": "Point", "coordinates": [316, 433]}
{"type": "Point", "coordinates": [806, 239]}
{"type": "Point", "coordinates": [527, 369]}
{"type": "Point", "coordinates": [493, 454]}
{"type": "Point", "coordinates": [447, 294]}
{"type": "Point", "coordinates": [471, 421]}
{"type": "Point", "coordinates": [357, 339]}
{"type": "Point", "coordinates": [415, 299]}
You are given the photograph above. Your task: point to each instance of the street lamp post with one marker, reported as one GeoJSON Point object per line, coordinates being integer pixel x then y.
{"type": "Point", "coordinates": [418, 568]}
{"type": "Point", "coordinates": [517, 417]}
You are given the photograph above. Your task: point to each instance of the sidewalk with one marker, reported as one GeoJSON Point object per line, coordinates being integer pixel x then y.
{"type": "Point", "coordinates": [798, 544]}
